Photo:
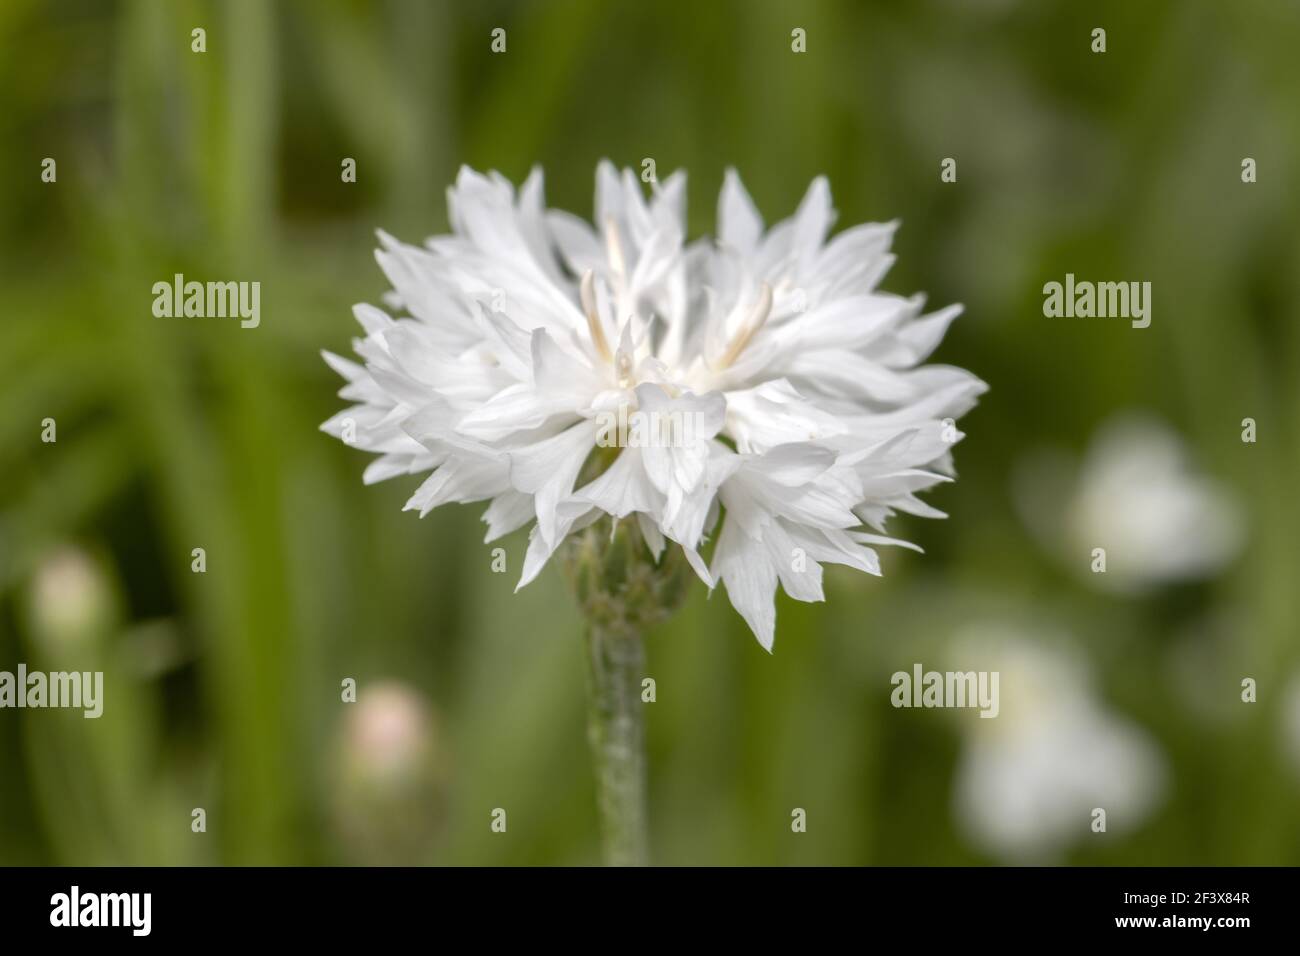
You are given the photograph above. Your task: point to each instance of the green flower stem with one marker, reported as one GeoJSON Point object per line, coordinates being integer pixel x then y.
{"type": "Point", "coordinates": [623, 592]}
{"type": "Point", "coordinates": [616, 730]}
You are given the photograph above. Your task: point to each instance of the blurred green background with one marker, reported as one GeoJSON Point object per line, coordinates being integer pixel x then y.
{"type": "Point", "coordinates": [224, 688]}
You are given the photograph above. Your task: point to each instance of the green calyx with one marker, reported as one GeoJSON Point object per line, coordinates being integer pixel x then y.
{"type": "Point", "coordinates": [619, 586]}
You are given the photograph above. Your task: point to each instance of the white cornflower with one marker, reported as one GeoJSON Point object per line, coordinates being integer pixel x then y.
{"type": "Point", "coordinates": [1139, 496]}
{"type": "Point", "coordinates": [1030, 780]}
{"type": "Point", "coordinates": [526, 329]}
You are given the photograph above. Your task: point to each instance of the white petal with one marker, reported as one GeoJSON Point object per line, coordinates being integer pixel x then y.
{"type": "Point", "coordinates": [742, 566]}
{"type": "Point", "coordinates": [623, 488]}
{"type": "Point", "coordinates": [548, 469]}
{"type": "Point", "coordinates": [739, 223]}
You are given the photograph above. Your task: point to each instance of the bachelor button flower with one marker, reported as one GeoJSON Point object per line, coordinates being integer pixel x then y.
{"type": "Point", "coordinates": [389, 776]}
{"type": "Point", "coordinates": [513, 341]}
{"type": "Point", "coordinates": [1139, 496]}
{"type": "Point", "coordinates": [1029, 781]}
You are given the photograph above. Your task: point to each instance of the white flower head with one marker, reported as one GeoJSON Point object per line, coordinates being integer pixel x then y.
{"type": "Point", "coordinates": [519, 336]}
{"type": "Point", "coordinates": [1029, 781]}
{"type": "Point", "coordinates": [1139, 496]}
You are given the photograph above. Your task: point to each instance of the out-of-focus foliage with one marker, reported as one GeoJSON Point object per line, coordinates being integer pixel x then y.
{"type": "Point", "coordinates": [224, 688]}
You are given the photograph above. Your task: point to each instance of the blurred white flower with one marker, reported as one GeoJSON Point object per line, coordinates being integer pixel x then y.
{"type": "Point", "coordinates": [812, 413]}
{"type": "Point", "coordinates": [1028, 780]}
{"type": "Point", "coordinates": [1137, 496]}
{"type": "Point", "coordinates": [388, 776]}
{"type": "Point", "coordinates": [388, 733]}
{"type": "Point", "coordinates": [72, 601]}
